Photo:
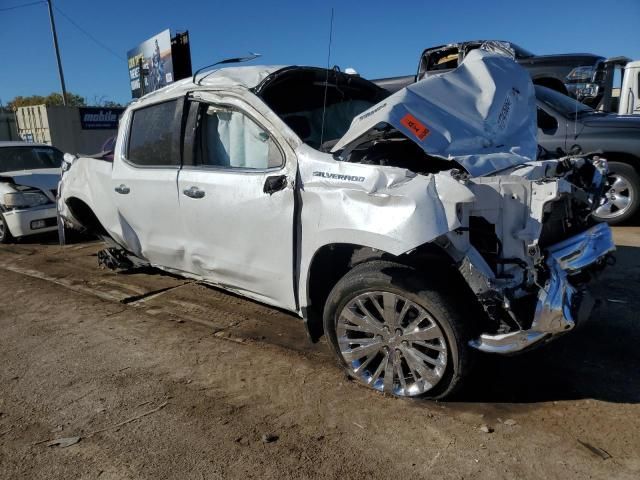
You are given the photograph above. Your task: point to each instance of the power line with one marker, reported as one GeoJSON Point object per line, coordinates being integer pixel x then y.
{"type": "Point", "coordinates": [98, 42]}
{"type": "Point", "coordinates": [21, 6]}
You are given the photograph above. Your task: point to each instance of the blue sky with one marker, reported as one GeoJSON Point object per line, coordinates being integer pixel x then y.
{"type": "Point", "coordinates": [376, 38]}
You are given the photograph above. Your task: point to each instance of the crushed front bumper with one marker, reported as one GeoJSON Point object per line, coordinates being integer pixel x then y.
{"type": "Point", "coordinates": [560, 305]}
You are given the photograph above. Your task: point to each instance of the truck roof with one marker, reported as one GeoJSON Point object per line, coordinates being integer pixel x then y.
{"type": "Point", "coordinates": [245, 76]}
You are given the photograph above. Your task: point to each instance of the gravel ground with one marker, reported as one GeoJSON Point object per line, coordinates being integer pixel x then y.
{"type": "Point", "coordinates": [152, 376]}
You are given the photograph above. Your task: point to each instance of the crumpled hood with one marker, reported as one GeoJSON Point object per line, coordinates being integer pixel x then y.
{"type": "Point", "coordinates": [45, 179]}
{"type": "Point", "coordinates": [484, 108]}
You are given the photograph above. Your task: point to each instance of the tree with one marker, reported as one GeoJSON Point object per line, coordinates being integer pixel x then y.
{"type": "Point", "coordinates": [103, 101]}
{"type": "Point", "coordinates": [53, 99]}
{"type": "Point", "coordinates": [73, 100]}
{"type": "Point", "coordinates": [112, 104]}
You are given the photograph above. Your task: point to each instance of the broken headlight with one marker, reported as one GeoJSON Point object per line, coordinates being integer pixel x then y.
{"type": "Point", "coordinates": [25, 199]}
{"type": "Point", "coordinates": [581, 82]}
{"type": "Point", "coordinates": [583, 90]}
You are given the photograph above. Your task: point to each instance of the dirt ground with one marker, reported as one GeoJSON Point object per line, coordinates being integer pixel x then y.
{"type": "Point", "coordinates": [162, 377]}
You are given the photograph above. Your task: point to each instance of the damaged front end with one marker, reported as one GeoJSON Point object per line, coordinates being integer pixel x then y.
{"type": "Point", "coordinates": [529, 247]}
{"type": "Point", "coordinates": [525, 239]}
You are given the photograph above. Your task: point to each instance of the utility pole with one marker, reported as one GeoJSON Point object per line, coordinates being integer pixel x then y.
{"type": "Point", "coordinates": [55, 45]}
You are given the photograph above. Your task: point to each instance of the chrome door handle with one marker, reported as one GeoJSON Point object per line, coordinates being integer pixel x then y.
{"type": "Point", "coordinates": [122, 189]}
{"type": "Point", "coordinates": [193, 192]}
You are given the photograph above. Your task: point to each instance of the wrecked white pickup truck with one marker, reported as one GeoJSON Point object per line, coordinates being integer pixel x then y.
{"type": "Point", "coordinates": [411, 229]}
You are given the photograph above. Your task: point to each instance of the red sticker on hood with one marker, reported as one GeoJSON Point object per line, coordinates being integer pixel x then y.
{"type": "Point", "coordinates": [414, 126]}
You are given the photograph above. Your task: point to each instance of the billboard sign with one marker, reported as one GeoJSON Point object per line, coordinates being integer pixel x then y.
{"type": "Point", "coordinates": [96, 118]}
{"type": "Point", "coordinates": [153, 59]}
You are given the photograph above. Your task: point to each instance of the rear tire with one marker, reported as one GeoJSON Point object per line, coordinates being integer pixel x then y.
{"type": "Point", "coordinates": [623, 195]}
{"type": "Point", "coordinates": [5, 234]}
{"type": "Point", "coordinates": [397, 332]}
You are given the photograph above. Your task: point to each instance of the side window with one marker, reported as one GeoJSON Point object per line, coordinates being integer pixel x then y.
{"type": "Point", "coordinates": [228, 138]}
{"type": "Point", "coordinates": [154, 135]}
{"type": "Point", "coordinates": [546, 122]}
{"type": "Point", "coordinates": [443, 59]}
{"type": "Point", "coordinates": [50, 157]}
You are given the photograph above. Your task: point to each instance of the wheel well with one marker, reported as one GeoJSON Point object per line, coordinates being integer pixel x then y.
{"type": "Point", "coordinates": [622, 157]}
{"type": "Point", "coordinates": [329, 264]}
{"type": "Point", "coordinates": [85, 216]}
{"type": "Point", "coordinates": [552, 83]}
{"type": "Point", "coordinates": [332, 262]}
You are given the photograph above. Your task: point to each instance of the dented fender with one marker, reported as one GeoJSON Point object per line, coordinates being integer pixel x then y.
{"type": "Point", "coordinates": [385, 208]}
{"type": "Point", "coordinates": [89, 180]}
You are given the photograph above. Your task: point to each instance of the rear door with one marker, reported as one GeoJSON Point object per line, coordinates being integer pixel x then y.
{"type": "Point", "coordinates": [144, 184]}
{"type": "Point", "coordinates": [236, 192]}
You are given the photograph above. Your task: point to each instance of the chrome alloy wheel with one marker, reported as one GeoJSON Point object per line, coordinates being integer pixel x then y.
{"type": "Point", "coordinates": [618, 198]}
{"type": "Point", "coordinates": [391, 343]}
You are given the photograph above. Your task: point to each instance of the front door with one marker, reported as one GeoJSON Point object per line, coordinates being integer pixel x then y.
{"type": "Point", "coordinates": [237, 202]}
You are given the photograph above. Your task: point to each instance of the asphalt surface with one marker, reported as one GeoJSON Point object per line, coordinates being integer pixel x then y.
{"type": "Point", "coordinates": [147, 375]}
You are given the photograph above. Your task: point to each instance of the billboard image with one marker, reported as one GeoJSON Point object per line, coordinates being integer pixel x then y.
{"type": "Point", "coordinates": [154, 56]}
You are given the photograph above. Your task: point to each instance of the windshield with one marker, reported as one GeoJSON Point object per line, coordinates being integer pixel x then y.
{"type": "Point", "coordinates": [29, 158]}
{"type": "Point", "coordinates": [318, 105]}
{"type": "Point", "coordinates": [562, 104]}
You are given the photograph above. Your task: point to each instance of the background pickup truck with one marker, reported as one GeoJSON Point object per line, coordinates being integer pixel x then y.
{"type": "Point", "coordinates": [565, 126]}
{"type": "Point", "coordinates": [579, 75]}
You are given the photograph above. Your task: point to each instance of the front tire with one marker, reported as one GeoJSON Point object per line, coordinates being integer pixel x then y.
{"type": "Point", "coordinates": [622, 196]}
{"type": "Point", "coordinates": [396, 332]}
{"type": "Point", "coordinates": [5, 234]}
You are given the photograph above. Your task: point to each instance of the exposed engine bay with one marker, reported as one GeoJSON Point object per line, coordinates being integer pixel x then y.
{"type": "Point", "coordinates": [521, 223]}
{"type": "Point", "coordinates": [529, 271]}
{"type": "Point", "coordinates": [391, 148]}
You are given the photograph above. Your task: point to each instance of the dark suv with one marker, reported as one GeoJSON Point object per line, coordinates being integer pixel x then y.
{"type": "Point", "coordinates": [568, 127]}
{"type": "Point", "coordinates": [579, 75]}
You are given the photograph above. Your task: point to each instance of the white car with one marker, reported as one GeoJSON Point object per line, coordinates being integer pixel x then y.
{"type": "Point", "coordinates": [29, 176]}
{"type": "Point", "coordinates": [413, 229]}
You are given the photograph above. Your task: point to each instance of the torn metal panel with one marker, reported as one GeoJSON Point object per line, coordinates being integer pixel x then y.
{"type": "Point", "coordinates": [560, 304]}
{"type": "Point", "coordinates": [490, 125]}
{"type": "Point", "coordinates": [385, 208]}
{"type": "Point", "coordinates": [391, 208]}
